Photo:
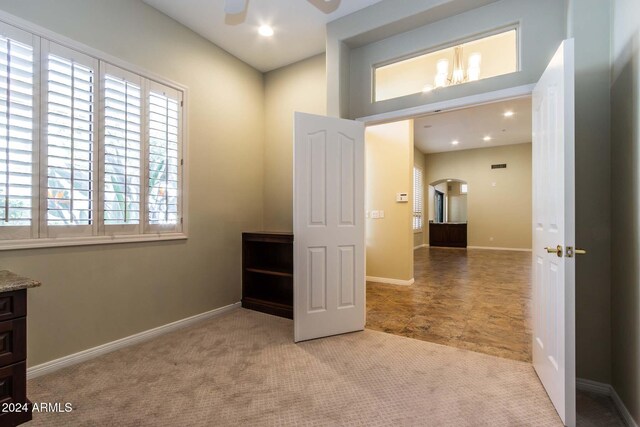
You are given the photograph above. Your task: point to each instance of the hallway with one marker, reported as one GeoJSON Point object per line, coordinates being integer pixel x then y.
{"type": "Point", "coordinates": [473, 299]}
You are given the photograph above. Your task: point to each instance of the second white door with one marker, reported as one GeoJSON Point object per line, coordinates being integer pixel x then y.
{"type": "Point", "coordinates": [554, 232]}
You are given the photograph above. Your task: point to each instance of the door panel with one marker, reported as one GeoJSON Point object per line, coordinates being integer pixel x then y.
{"type": "Point", "coordinates": [329, 279]}
{"type": "Point", "coordinates": [553, 226]}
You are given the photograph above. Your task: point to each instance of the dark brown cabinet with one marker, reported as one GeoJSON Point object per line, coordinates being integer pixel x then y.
{"type": "Point", "coordinates": [448, 234]}
{"type": "Point", "coordinates": [267, 273]}
{"type": "Point", "coordinates": [13, 355]}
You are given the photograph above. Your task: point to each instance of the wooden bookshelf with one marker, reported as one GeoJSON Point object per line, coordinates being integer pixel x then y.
{"type": "Point", "coordinates": [267, 272]}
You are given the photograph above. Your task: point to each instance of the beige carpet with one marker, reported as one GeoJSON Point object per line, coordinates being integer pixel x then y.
{"type": "Point", "coordinates": [243, 369]}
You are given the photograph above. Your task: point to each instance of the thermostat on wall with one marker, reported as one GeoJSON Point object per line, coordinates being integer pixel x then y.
{"type": "Point", "coordinates": [402, 197]}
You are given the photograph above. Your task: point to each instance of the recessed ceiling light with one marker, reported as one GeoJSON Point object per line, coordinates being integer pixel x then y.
{"type": "Point", "coordinates": [455, 142]}
{"type": "Point", "coordinates": [486, 138]}
{"type": "Point", "coordinates": [265, 31]}
{"type": "Point", "coordinates": [509, 113]}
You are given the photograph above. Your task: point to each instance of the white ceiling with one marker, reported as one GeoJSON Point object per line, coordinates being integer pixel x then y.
{"type": "Point", "coordinates": [300, 28]}
{"type": "Point", "coordinates": [470, 125]}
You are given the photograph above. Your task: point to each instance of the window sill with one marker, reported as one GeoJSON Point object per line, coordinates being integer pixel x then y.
{"type": "Point", "coordinates": [9, 245]}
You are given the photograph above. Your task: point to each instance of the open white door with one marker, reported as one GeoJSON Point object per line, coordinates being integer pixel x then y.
{"type": "Point", "coordinates": [328, 227]}
{"type": "Point", "coordinates": [554, 232]}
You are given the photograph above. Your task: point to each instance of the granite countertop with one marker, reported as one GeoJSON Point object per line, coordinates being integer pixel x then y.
{"type": "Point", "coordinates": [12, 282]}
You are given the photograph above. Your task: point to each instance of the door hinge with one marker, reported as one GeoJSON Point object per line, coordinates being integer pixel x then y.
{"type": "Point", "coordinates": [181, 220]}
{"type": "Point", "coordinates": [182, 103]}
{"type": "Point", "coordinates": [181, 162]}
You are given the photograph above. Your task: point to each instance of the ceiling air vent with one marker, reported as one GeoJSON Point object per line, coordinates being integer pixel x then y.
{"type": "Point", "coordinates": [500, 166]}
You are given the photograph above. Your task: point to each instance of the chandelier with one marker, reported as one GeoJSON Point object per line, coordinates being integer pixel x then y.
{"type": "Point", "coordinates": [458, 75]}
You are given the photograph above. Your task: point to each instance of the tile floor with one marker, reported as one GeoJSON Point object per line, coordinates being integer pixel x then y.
{"type": "Point", "coordinates": [473, 299]}
{"type": "Point", "coordinates": [467, 298]}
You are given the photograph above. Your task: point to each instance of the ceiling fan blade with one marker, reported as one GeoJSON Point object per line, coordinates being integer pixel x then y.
{"type": "Point", "coordinates": [326, 6]}
{"type": "Point", "coordinates": [233, 7]}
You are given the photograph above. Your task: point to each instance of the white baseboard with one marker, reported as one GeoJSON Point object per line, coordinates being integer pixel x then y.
{"type": "Point", "coordinates": [607, 390]}
{"type": "Point", "coordinates": [424, 245]}
{"type": "Point", "coordinates": [500, 249]}
{"type": "Point", "coordinates": [593, 386]}
{"type": "Point", "coordinates": [91, 353]}
{"type": "Point", "coordinates": [390, 281]}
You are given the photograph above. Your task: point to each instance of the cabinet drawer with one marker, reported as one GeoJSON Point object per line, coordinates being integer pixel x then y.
{"type": "Point", "coordinates": [13, 341]}
{"type": "Point", "coordinates": [13, 389]}
{"type": "Point", "coordinates": [13, 304]}
{"type": "Point", "coordinates": [13, 383]}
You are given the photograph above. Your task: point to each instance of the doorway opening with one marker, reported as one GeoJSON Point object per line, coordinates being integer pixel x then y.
{"type": "Point", "coordinates": [452, 263]}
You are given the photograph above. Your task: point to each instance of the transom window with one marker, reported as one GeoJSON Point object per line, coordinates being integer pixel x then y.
{"type": "Point", "coordinates": [489, 56]}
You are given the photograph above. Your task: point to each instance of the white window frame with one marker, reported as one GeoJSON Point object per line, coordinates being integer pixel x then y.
{"type": "Point", "coordinates": [28, 232]}
{"type": "Point", "coordinates": [415, 197]}
{"type": "Point", "coordinates": [39, 234]}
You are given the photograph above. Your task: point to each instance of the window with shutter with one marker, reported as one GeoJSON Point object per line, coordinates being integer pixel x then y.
{"type": "Point", "coordinates": [163, 167]}
{"type": "Point", "coordinates": [70, 99]}
{"type": "Point", "coordinates": [122, 169]}
{"type": "Point", "coordinates": [418, 197]}
{"type": "Point", "coordinates": [18, 197]}
{"type": "Point", "coordinates": [90, 152]}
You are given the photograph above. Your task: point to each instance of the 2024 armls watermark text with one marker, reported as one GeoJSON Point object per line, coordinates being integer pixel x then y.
{"type": "Point", "coordinates": [56, 407]}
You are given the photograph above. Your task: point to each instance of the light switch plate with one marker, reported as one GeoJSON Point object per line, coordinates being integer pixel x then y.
{"type": "Point", "coordinates": [402, 197]}
{"type": "Point", "coordinates": [375, 214]}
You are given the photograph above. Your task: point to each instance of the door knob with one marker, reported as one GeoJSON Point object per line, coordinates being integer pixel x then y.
{"type": "Point", "coordinates": [571, 251]}
{"type": "Point", "coordinates": [557, 250]}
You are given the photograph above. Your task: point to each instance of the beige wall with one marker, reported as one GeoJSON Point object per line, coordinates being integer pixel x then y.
{"type": "Point", "coordinates": [298, 87]}
{"type": "Point", "coordinates": [418, 161]}
{"type": "Point", "coordinates": [501, 212]}
{"type": "Point", "coordinates": [93, 295]}
{"type": "Point", "coordinates": [389, 160]}
{"type": "Point", "coordinates": [589, 24]}
{"type": "Point", "coordinates": [625, 143]}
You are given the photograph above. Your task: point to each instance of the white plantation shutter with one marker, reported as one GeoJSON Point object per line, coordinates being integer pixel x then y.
{"type": "Point", "coordinates": [18, 152]}
{"type": "Point", "coordinates": [122, 171]}
{"type": "Point", "coordinates": [89, 152]}
{"type": "Point", "coordinates": [69, 91]}
{"type": "Point", "coordinates": [418, 199]}
{"type": "Point", "coordinates": [164, 171]}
